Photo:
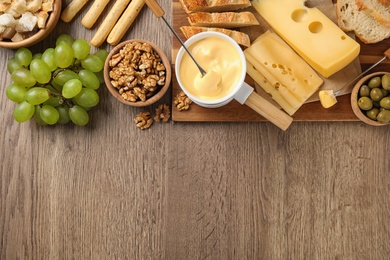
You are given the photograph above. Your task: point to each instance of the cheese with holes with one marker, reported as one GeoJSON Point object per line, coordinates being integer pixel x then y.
{"type": "Point", "coordinates": [281, 72]}
{"type": "Point", "coordinates": [315, 37]}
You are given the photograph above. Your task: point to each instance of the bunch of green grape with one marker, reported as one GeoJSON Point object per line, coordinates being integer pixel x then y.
{"type": "Point", "coordinates": [58, 85]}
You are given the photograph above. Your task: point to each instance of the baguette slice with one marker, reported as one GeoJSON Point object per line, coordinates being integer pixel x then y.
{"type": "Point", "coordinates": [224, 20]}
{"type": "Point", "coordinates": [240, 37]}
{"type": "Point", "coordinates": [379, 9]}
{"type": "Point", "coordinates": [365, 26]}
{"type": "Point", "coordinates": [191, 6]}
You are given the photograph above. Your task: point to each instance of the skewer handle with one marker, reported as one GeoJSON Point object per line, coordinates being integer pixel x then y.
{"type": "Point", "coordinates": [155, 7]}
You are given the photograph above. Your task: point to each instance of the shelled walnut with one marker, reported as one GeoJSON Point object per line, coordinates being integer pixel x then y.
{"type": "Point", "coordinates": [182, 102]}
{"type": "Point", "coordinates": [162, 113]}
{"type": "Point", "coordinates": [137, 71]}
{"type": "Point", "coordinates": [143, 120]}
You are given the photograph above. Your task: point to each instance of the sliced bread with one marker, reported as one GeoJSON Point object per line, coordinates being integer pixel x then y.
{"type": "Point", "coordinates": [240, 37]}
{"type": "Point", "coordinates": [224, 20]}
{"type": "Point", "coordinates": [365, 26]}
{"type": "Point", "coordinates": [191, 6]}
{"type": "Point", "coordinates": [379, 9]}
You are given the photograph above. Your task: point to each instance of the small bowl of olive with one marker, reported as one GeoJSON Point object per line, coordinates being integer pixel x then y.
{"type": "Point", "coordinates": [370, 99]}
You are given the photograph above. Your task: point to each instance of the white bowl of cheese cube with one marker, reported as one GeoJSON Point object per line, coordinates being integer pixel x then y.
{"type": "Point", "coordinates": [25, 23]}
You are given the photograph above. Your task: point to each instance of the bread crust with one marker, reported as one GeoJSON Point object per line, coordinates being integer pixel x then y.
{"type": "Point", "coordinates": [240, 37]}
{"type": "Point", "coordinates": [379, 9]}
{"type": "Point", "coordinates": [191, 6]}
{"type": "Point", "coordinates": [224, 19]}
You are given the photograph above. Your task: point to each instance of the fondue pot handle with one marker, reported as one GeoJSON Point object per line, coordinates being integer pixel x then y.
{"type": "Point", "coordinates": [268, 111]}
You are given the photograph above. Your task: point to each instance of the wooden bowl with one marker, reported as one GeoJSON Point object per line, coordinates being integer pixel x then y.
{"type": "Point", "coordinates": [149, 101]}
{"type": "Point", "coordinates": [355, 97]}
{"type": "Point", "coordinates": [40, 34]}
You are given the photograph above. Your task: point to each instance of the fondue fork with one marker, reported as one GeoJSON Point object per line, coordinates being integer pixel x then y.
{"type": "Point", "coordinates": [159, 13]}
{"type": "Point", "coordinates": [386, 55]}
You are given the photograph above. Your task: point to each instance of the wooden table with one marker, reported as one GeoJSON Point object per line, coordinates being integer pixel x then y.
{"type": "Point", "coordinates": [189, 190]}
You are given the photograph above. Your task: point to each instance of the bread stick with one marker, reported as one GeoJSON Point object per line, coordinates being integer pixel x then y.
{"type": "Point", "coordinates": [93, 13]}
{"type": "Point", "coordinates": [109, 22]}
{"type": "Point", "coordinates": [126, 20]}
{"type": "Point", "coordinates": [72, 9]}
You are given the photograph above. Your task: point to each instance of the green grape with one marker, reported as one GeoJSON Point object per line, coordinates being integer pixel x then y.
{"type": "Point", "coordinates": [87, 98]}
{"type": "Point", "coordinates": [23, 77]}
{"type": "Point", "coordinates": [48, 57]}
{"type": "Point", "coordinates": [37, 95]}
{"type": "Point", "coordinates": [13, 65]}
{"type": "Point", "coordinates": [78, 115]}
{"type": "Point", "coordinates": [89, 79]}
{"type": "Point", "coordinates": [64, 115]}
{"type": "Point", "coordinates": [72, 88]}
{"type": "Point", "coordinates": [63, 55]}
{"type": "Point", "coordinates": [54, 101]}
{"type": "Point", "coordinates": [56, 88]}
{"type": "Point", "coordinates": [92, 63]}
{"type": "Point", "coordinates": [15, 92]}
{"type": "Point", "coordinates": [49, 115]}
{"type": "Point", "coordinates": [40, 71]}
{"type": "Point", "coordinates": [23, 56]}
{"type": "Point", "coordinates": [37, 115]}
{"type": "Point", "coordinates": [81, 48]}
{"type": "Point", "coordinates": [100, 76]}
{"type": "Point", "coordinates": [65, 76]}
{"type": "Point", "coordinates": [64, 38]}
{"type": "Point", "coordinates": [23, 112]}
{"type": "Point", "coordinates": [102, 54]}
{"type": "Point", "coordinates": [37, 56]}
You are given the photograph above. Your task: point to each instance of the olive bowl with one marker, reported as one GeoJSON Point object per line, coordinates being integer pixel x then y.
{"type": "Point", "coordinates": [161, 90]}
{"type": "Point", "coordinates": [41, 34]}
{"type": "Point", "coordinates": [355, 97]}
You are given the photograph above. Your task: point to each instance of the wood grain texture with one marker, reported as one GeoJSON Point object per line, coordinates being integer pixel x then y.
{"type": "Point", "coordinates": [308, 112]}
{"type": "Point", "coordinates": [188, 190]}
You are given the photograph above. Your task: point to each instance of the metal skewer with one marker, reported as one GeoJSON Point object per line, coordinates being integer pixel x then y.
{"type": "Point", "coordinates": [159, 13]}
{"type": "Point", "coordinates": [387, 55]}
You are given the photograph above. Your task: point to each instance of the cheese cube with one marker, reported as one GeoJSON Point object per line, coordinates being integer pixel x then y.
{"type": "Point", "coordinates": [310, 33]}
{"type": "Point", "coordinates": [327, 98]}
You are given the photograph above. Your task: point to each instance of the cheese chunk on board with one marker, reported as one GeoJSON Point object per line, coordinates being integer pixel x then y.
{"type": "Point", "coordinates": [310, 33]}
{"type": "Point", "coordinates": [289, 79]}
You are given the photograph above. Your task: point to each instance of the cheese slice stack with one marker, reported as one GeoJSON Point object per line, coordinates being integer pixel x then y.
{"type": "Point", "coordinates": [310, 33]}
{"type": "Point", "coordinates": [281, 72]}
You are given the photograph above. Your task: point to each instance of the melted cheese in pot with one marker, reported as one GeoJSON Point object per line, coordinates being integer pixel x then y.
{"type": "Point", "coordinates": [222, 63]}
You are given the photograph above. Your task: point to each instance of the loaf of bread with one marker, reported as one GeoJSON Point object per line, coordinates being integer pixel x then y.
{"type": "Point", "coordinates": [224, 19]}
{"type": "Point", "coordinates": [240, 37]}
{"type": "Point", "coordinates": [366, 27]}
{"type": "Point", "coordinates": [191, 6]}
{"type": "Point", "coordinates": [379, 9]}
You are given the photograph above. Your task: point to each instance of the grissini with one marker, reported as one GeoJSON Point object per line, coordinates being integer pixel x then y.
{"type": "Point", "coordinates": [93, 13]}
{"type": "Point", "coordinates": [109, 22]}
{"type": "Point", "coordinates": [72, 9]}
{"type": "Point", "coordinates": [125, 22]}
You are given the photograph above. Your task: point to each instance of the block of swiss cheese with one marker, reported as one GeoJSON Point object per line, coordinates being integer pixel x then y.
{"type": "Point", "coordinates": [310, 33]}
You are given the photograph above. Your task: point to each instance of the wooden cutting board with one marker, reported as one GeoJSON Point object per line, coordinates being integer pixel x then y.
{"type": "Point", "coordinates": [235, 112]}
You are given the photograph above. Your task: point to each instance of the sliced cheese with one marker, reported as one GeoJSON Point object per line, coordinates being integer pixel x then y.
{"type": "Point", "coordinates": [270, 89]}
{"type": "Point", "coordinates": [310, 33]}
{"type": "Point", "coordinates": [289, 75]}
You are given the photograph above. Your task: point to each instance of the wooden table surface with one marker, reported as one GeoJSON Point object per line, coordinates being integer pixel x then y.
{"type": "Point", "coordinates": [244, 190]}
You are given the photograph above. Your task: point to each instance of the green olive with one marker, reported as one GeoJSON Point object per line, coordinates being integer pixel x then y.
{"type": "Point", "coordinates": [376, 104]}
{"type": "Point", "coordinates": [365, 103]}
{"type": "Point", "coordinates": [372, 113]}
{"type": "Point", "coordinates": [385, 92]}
{"type": "Point", "coordinates": [374, 82]}
{"type": "Point", "coordinates": [386, 81]}
{"type": "Point", "coordinates": [364, 91]}
{"type": "Point", "coordinates": [376, 94]}
{"type": "Point", "coordinates": [383, 116]}
{"type": "Point", "coordinates": [381, 109]}
{"type": "Point", "coordinates": [385, 103]}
